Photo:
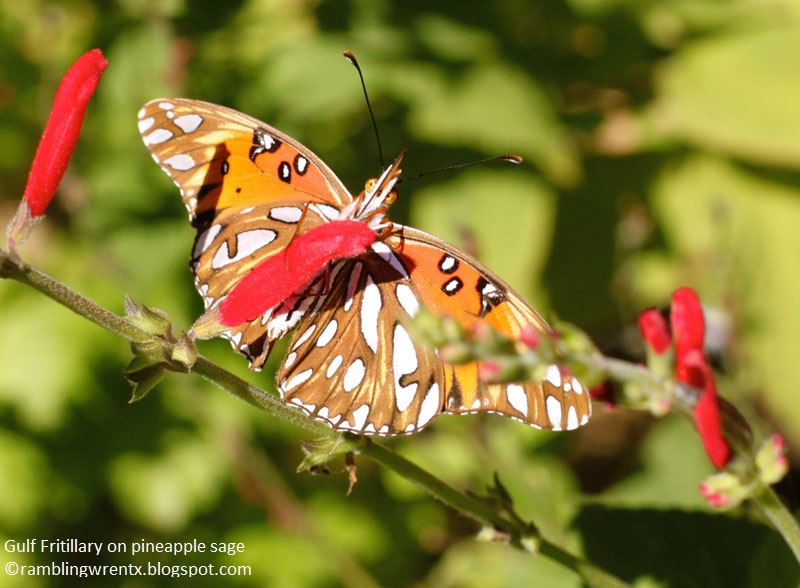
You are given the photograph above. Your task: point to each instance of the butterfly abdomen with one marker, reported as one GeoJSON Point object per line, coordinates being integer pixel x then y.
{"type": "Point", "coordinates": [291, 271]}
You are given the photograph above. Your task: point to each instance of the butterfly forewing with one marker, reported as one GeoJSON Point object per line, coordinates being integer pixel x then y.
{"type": "Point", "coordinates": [247, 188]}
{"type": "Point", "coordinates": [235, 242]}
{"type": "Point", "coordinates": [219, 157]}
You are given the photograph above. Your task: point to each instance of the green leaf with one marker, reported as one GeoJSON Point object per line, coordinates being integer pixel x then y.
{"type": "Point", "coordinates": [737, 94]}
{"type": "Point", "coordinates": [494, 109]}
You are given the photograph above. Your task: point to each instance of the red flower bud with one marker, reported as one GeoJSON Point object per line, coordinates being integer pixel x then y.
{"type": "Point", "coordinates": [530, 337]}
{"type": "Point", "coordinates": [686, 317]}
{"type": "Point", "coordinates": [62, 129]}
{"type": "Point", "coordinates": [654, 330]}
{"type": "Point", "coordinates": [714, 499]}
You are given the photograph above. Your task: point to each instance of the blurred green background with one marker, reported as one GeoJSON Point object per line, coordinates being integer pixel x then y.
{"type": "Point", "coordinates": [662, 148]}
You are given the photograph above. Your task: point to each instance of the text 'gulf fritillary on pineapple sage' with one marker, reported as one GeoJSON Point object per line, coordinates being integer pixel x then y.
{"type": "Point", "coordinates": [57, 141]}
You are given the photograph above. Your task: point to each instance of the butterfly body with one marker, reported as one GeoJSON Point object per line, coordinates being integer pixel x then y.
{"type": "Point", "coordinates": [282, 246]}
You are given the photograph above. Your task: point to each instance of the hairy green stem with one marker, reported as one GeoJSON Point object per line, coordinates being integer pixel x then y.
{"type": "Point", "coordinates": [780, 517]}
{"type": "Point", "coordinates": [259, 398]}
{"type": "Point", "coordinates": [14, 269]}
{"type": "Point", "coordinates": [517, 531]}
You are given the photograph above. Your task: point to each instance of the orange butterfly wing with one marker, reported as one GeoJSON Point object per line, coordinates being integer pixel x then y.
{"type": "Point", "coordinates": [221, 158]}
{"type": "Point", "coordinates": [354, 364]}
{"type": "Point", "coordinates": [247, 187]}
{"type": "Point", "coordinates": [453, 283]}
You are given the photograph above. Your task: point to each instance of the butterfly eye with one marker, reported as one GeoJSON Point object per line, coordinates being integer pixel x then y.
{"type": "Point", "coordinates": [369, 185]}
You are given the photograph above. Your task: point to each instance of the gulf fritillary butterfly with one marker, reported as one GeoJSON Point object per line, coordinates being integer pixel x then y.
{"type": "Point", "coordinates": [281, 245]}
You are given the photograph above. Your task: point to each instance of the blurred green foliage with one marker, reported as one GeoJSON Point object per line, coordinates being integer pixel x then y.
{"type": "Point", "coordinates": [662, 147]}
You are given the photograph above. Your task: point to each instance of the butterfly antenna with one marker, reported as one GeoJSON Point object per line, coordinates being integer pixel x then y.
{"type": "Point", "coordinates": [354, 62]}
{"type": "Point", "coordinates": [515, 159]}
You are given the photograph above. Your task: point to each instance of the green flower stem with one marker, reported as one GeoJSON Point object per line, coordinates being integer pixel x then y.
{"type": "Point", "coordinates": [259, 398]}
{"type": "Point", "coordinates": [473, 507]}
{"type": "Point", "coordinates": [13, 268]}
{"type": "Point", "coordinates": [765, 498]}
{"type": "Point", "coordinates": [780, 517]}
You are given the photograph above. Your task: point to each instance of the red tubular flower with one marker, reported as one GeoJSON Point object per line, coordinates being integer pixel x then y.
{"type": "Point", "coordinates": [62, 129]}
{"type": "Point", "coordinates": [692, 368]}
{"type": "Point", "coordinates": [655, 330]}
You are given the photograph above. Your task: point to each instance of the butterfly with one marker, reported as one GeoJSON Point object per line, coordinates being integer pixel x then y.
{"type": "Point", "coordinates": [283, 246]}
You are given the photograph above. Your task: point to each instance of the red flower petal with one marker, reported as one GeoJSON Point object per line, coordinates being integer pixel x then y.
{"type": "Point", "coordinates": [686, 318]}
{"type": "Point", "coordinates": [62, 130]}
{"type": "Point", "coordinates": [707, 417]}
{"type": "Point", "coordinates": [529, 337]}
{"type": "Point", "coordinates": [278, 277]}
{"type": "Point", "coordinates": [688, 328]}
{"type": "Point", "coordinates": [709, 425]}
{"type": "Point", "coordinates": [654, 330]}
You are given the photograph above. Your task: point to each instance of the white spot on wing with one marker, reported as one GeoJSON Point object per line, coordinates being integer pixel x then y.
{"type": "Point", "coordinates": [447, 263]}
{"type": "Point", "coordinates": [576, 386]}
{"type": "Point", "coordinates": [247, 242]}
{"type": "Point", "coordinates": [205, 239]}
{"type": "Point", "coordinates": [305, 336]}
{"type": "Point", "coordinates": [296, 380]}
{"type": "Point", "coordinates": [406, 298]}
{"type": "Point", "coordinates": [146, 123]}
{"type": "Point", "coordinates": [188, 122]}
{"type": "Point", "coordinates": [553, 375]}
{"type": "Point", "coordinates": [383, 250]}
{"type": "Point", "coordinates": [286, 214]}
{"type": "Point", "coordinates": [354, 375]}
{"type": "Point", "coordinates": [404, 362]}
{"type": "Point", "coordinates": [158, 136]}
{"type": "Point", "coordinates": [430, 406]}
{"type": "Point", "coordinates": [328, 211]}
{"type": "Point", "coordinates": [572, 418]}
{"type": "Point", "coordinates": [328, 333]}
{"type": "Point", "coordinates": [517, 398]}
{"type": "Point", "coordinates": [360, 417]}
{"type": "Point", "coordinates": [179, 162]}
{"type": "Point", "coordinates": [554, 412]}
{"type": "Point", "coordinates": [166, 105]}
{"type": "Point", "coordinates": [370, 309]}
{"type": "Point", "coordinates": [334, 366]}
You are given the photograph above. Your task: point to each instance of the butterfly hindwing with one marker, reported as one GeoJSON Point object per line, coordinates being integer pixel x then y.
{"type": "Point", "coordinates": [354, 364]}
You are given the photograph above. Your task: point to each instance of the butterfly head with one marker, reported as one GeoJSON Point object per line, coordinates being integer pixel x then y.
{"type": "Point", "coordinates": [372, 205]}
